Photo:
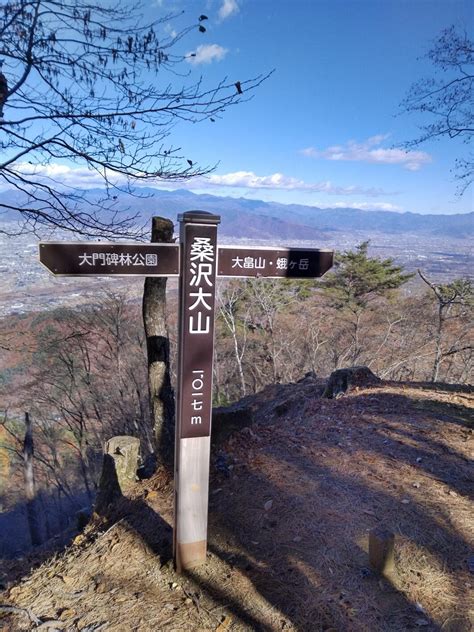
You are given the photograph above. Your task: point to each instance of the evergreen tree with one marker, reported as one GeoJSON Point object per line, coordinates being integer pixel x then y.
{"type": "Point", "coordinates": [356, 281]}
{"type": "Point", "coordinates": [358, 278]}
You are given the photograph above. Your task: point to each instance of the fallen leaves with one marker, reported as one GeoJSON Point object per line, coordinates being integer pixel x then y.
{"type": "Point", "coordinates": [225, 624]}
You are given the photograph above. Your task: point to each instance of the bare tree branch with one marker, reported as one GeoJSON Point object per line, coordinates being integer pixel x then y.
{"type": "Point", "coordinates": [446, 101]}
{"type": "Point", "coordinates": [95, 85]}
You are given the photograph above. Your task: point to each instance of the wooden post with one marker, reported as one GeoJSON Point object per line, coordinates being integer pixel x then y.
{"type": "Point", "coordinates": [381, 552]}
{"type": "Point", "coordinates": [198, 239]}
{"type": "Point", "coordinates": [119, 470]}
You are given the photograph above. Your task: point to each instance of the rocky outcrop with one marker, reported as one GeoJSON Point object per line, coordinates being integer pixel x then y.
{"type": "Point", "coordinates": [229, 419]}
{"type": "Point", "coordinates": [345, 380]}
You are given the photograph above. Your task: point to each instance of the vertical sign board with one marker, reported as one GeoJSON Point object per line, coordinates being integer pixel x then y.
{"type": "Point", "coordinates": [198, 242]}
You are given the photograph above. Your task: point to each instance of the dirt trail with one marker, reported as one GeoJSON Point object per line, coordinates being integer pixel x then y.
{"type": "Point", "coordinates": [293, 498]}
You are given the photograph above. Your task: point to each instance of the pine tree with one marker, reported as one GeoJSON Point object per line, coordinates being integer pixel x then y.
{"type": "Point", "coordinates": [358, 278]}
{"type": "Point", "coordinates": [356, 281]}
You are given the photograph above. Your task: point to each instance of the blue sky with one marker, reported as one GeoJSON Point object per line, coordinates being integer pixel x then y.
{"type": "Point", "coordinates": [325, 129]}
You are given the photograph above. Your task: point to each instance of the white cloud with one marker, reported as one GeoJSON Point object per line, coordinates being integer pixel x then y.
{"type": "Point", "coordinates": [64, 175]}
{"type": "Point", "coordinates": [249, 180]}
{"type": "Point", "coordinates": [169, 30]}
{"type": "Point", "coordinates": [366, 206]}
{"type": "Point", "coordinates": [371, 151]}
{"type": "Point", "coordinates": [206, 53]}
{"type": "Point", "coordinates": [228, 8]}
{"type": "Point", "coordinates": [70, 177]}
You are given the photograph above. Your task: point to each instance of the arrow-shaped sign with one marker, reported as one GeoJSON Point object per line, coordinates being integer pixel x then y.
{"type": "Point", "coordinates": [104, 259]}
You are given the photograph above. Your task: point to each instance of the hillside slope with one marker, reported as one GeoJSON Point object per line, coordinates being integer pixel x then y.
{"type": "Point", "coordinates": [293, 497]}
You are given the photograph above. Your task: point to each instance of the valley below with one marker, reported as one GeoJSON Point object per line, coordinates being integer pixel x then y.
{"type": "Point", "coordinates": [26, 286]}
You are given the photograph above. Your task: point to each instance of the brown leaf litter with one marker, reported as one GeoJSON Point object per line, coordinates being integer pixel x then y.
{"type": "Point", "coordinates": [291, 507]}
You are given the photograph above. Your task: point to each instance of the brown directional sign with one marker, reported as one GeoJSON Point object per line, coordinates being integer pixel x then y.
{"type": "Point", "coordinates": [196, 331]}
{"type": "Point", "coordinates": [296, 263]}
{"type": "Point", "coordinates": [104, 259]}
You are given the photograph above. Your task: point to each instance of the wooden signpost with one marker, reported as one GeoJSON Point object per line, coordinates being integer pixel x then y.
{"type": "Point", "coordinates": [197, 261]}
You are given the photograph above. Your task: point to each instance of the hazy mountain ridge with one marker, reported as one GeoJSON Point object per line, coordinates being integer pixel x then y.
{"type": "Point", "coordinates": [260, 220]}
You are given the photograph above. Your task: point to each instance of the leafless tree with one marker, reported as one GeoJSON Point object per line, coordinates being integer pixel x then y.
{"type": "Point", "coordinates": [445, 100]}
{"type": "Point", "coordinates": [454, 300]}
{"type": "Point", "coordinates": [96, 85]}
{"type": "Point", "coordinates": [235, 315]}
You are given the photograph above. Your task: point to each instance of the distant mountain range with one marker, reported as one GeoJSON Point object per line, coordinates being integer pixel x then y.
{"type": "Point", "coordinates": [256, 219]}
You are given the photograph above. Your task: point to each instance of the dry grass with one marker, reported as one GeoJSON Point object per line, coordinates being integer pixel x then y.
{"type": "Point", "coordinates": [395, 456]}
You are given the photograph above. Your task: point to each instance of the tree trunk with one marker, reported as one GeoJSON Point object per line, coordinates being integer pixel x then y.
{"type": "Point", "coordinates": [238, 359]}
{"type": "Point", "coordinates": [31, 508]}
{"type": "Point", "coordinates": [438, 339]}
{"type": "Point", "coordinates": [158, 350]}
{"type": "Point", "coordinates": [230, 321]}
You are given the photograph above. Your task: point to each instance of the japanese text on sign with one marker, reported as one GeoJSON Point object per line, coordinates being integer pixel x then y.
{"type": "Point", "coordinates": [255, 263]}
{"type": "Point", "coordinates": [196, 331]}
{"type": "Point", "coordinates": [117, 259]}
{"type": "Point", "coordinates": [202, 261]}
{"type": "Point", "coordinates": [259, 263]}
{"type": "Point", "coordinates": [282, 263]}
{"type": "Point", "coordinates": [297, 263]}
{"type": "Point", "coordinates": [197, 394]}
